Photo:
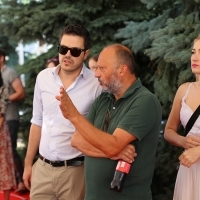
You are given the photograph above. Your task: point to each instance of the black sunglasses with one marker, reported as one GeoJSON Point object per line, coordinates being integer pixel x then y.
{"type": "Point", "coordinates": [75, 52]}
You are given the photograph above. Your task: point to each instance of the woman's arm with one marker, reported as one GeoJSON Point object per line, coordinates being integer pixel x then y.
{"type": "Point", "coordinates": [170, 133]}
{"type": "Point", "coordinates": [173, 121]}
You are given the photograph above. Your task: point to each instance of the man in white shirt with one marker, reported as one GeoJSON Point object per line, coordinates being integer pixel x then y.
{"type": "Point", "coordinates": [59, 168]}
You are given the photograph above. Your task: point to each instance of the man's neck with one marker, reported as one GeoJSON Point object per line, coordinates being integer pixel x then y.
{"type": "Point", "coordinates": [128, 82]}
{"type": "Point", "coordinates": [68, 78]}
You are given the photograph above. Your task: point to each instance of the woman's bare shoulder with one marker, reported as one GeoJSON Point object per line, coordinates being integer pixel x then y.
{"type": "Point", "coordinates": [184, 86]}
{"type": "Point", "coordinates": [182, 89]}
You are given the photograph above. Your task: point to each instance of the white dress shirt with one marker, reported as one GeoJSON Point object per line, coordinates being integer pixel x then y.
{"type": "Point", "coordinates": [55, 143]}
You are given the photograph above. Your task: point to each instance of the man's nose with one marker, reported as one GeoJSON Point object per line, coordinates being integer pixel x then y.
{"type": "Point", "coordinates": [68, 53]}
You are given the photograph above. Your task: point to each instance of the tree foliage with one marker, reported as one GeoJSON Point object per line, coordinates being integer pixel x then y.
{"type": "Point", "coordinates": [166, 40]}
{"type": "Point", "coordinates": [44, 20]}
{"type": "Point", "coordinates": [9, 46]}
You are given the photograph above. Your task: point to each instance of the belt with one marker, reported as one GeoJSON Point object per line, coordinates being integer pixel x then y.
{"type": "Point", "coordinates": [72, 162]}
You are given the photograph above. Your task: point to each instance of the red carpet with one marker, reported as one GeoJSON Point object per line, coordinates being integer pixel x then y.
{"type": "Point", "coordinates": [15, 196]}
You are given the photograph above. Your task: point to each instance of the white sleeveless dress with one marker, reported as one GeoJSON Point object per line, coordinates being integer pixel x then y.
{"type": "Point", "coordinates": [187, 185]}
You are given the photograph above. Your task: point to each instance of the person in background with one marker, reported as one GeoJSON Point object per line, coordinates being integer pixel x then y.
{"type": "Point", "coordinates": [185, 103]}
{"type": "Point", "coordinates": [92, 63]}
{"type": "Point", "coordinates": [7, 174]}
{"type": "Point", "coordinates": [126, 113]}
{"type": "Point", "coordinates": [16, 93]}
{"type": "Point", "coordinates": [52, 62]}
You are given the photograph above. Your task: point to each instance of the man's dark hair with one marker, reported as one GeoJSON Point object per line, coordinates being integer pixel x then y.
{"type": "Point", "coordinates": [78, 30]}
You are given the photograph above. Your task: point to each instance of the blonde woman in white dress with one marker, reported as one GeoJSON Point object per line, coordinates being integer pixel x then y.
{"type": "Point", "coordinates": [186, 100]}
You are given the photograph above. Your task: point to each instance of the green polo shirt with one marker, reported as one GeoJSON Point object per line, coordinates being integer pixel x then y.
{"type": "Point", "coordinates": [138, 112]}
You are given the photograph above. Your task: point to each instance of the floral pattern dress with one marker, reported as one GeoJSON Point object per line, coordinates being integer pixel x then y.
{"type": "Point", "coordinates": [7, 176]}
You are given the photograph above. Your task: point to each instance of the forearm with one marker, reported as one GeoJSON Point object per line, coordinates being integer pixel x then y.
{"type": "Point", "coordinates": [33, 144]}
{"type": "Point", "coordinates": [174, 138]}
{"type": "Point", "coordinates": [105, 142]}
{"type": "Point", "coordinates": [79, 142]}
{"type": "Point", "coordinates": [16, 96]}
{"type": "Point", "coordinates": [127, 154]}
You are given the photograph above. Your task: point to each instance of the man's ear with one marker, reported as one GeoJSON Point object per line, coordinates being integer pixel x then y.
{"type": "Point", "coordinates": [122, 70]}
{"type": "Point", "coordinates": [86, 54]}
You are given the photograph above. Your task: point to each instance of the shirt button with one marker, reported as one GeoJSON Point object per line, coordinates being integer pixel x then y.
{"type": "Point", "coordinates": [113, 108]}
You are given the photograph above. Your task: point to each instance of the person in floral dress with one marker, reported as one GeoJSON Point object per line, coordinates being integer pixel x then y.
{"type": "Point", "coordinates": [7, 176]}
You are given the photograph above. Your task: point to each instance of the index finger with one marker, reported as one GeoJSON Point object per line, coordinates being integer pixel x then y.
{"type": "Point", "coordinates": [62, 89]}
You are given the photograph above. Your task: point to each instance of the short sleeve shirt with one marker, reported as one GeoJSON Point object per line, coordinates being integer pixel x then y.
{"type": "Point", "coordinates": [138, 112]}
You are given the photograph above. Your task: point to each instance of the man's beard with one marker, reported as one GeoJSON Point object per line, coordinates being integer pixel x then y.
{"type": "Point", "coordinates": [113, 86]}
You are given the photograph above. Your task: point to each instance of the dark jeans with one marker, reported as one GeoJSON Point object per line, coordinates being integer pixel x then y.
{"type": "Point", "coordinates": [13, 126]}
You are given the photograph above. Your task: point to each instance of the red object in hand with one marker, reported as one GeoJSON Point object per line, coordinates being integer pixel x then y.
{"type": "Point", "coordinates": [121, 171]}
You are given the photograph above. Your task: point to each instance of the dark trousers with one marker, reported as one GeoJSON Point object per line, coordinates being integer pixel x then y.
{"type": "Point", "coordinates": [13, 126]}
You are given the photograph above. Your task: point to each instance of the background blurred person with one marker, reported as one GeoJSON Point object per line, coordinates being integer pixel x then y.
{"type": "Point", "coordinates": [92, 63]}
{"type": "Point", "coordinates": [52, 62]}
{"type": "Point", "coordinates": [7, 174]}
{"type": "Point", "coordinates": [16, 93]}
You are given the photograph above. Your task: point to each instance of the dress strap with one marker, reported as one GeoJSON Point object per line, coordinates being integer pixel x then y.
{"type": "Point", "coordinates": [187, 91]}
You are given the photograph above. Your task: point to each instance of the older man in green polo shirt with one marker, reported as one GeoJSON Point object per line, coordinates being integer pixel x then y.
{"type": "Point", "coordinates": [125, 113]}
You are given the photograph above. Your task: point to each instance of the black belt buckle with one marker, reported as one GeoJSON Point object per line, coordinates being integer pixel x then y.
{"type": "Point", "coordinates": [74, 163]}
{"type": "Point", "coordinates": [57, 163]}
